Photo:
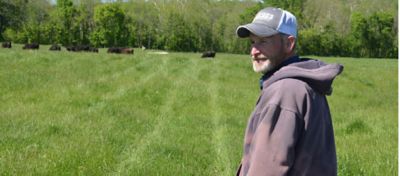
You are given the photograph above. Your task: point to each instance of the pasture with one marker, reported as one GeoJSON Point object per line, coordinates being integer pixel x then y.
{"type": "Point", "coordinates": [65, 113]}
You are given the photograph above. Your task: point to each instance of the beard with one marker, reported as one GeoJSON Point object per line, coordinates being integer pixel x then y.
{"type": "Point", "coordinates": [263, 66]}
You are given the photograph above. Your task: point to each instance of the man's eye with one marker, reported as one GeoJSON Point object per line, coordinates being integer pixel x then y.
{"type": "Point", "coordinates": [265, 42]}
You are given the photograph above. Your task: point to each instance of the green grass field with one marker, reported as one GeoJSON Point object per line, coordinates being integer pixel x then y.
{"type": "Point", "coordinates": [64, 113]}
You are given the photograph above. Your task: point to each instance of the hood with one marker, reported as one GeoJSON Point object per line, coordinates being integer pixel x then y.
{"type": "Point", "coordinates": [316, 74]}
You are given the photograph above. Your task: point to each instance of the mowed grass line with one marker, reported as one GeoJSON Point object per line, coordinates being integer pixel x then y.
{"type": "Point", "coordinates": [133, 157]}
{"type": "Point", "coordinates": [222, 164]}
{"type": "Point", "coordinates": [123, 87]}
{"type": "Point", "coordinates": [175, 150]}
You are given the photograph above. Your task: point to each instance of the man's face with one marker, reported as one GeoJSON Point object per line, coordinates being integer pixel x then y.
{"type": "Point", "coordinates": [266, 52]}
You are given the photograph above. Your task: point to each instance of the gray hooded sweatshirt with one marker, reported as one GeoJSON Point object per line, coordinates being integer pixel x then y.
{"type": "Point", "coordinates": [290, 131]}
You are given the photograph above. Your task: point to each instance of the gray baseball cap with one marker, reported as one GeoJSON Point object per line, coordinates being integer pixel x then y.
{"type": "Point", "coordinates": [268, 22]}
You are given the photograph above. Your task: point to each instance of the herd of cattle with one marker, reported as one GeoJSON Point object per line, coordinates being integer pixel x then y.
{"type": "Point", "coordinates": [76, 48]}
{"type": "Point", "coordinates": [86, 48]}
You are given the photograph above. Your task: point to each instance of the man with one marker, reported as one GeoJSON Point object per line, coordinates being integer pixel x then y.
{"type": "Point", "coordinates": [290, 131]}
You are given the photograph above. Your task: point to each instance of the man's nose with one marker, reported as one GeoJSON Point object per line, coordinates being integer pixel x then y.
{"type": "Point", "coordinates": [254, 51]}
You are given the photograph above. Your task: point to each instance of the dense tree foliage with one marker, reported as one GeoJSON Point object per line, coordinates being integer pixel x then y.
{"type": "Point", "coordinates": [111, 28]}
{"type": "Point", "coordinates": [11, 15]}
{"type": "Point", "coordinates": [329, 28]}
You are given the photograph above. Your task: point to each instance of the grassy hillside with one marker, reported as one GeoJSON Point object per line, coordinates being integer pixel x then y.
{"type": "Point", "coordinates": [65, 113]}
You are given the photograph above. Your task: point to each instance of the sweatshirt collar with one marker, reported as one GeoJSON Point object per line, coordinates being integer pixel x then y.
{"type": "Point", "coordinates": [288, 61]}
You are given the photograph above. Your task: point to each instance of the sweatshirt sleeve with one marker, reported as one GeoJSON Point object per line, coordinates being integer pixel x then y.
{"type": "Point", "coordinates": [272, 149]}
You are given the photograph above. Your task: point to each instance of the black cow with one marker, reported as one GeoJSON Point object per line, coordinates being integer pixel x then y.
{"type": "Point", "coordinates": [72, 48]}
{"type": "Point", "coordinates": [31, 46]}
{"type": "Point", "coordinates": [55, 47]}
{"type": "Point", "coordinates": [78, 48]}
{"type": "Point", "coordinates": [119, 50]}
{"type": "Point", "coordinates": [82, 48]}
{"type": "Point", "coordinates": [208, 54]}
{"type": "Point", "coordinates": [6, 44]}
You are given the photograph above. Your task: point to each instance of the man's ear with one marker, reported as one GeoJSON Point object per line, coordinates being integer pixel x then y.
{"type": "Point", "coordinates": [290, 43]}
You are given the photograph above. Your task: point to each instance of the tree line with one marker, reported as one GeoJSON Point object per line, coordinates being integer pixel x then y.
{"type": "Point", "coordinates": [199, 25]}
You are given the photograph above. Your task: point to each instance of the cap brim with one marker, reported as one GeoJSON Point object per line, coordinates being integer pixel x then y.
{"type": "Point", "coordinates": [257, 29]}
